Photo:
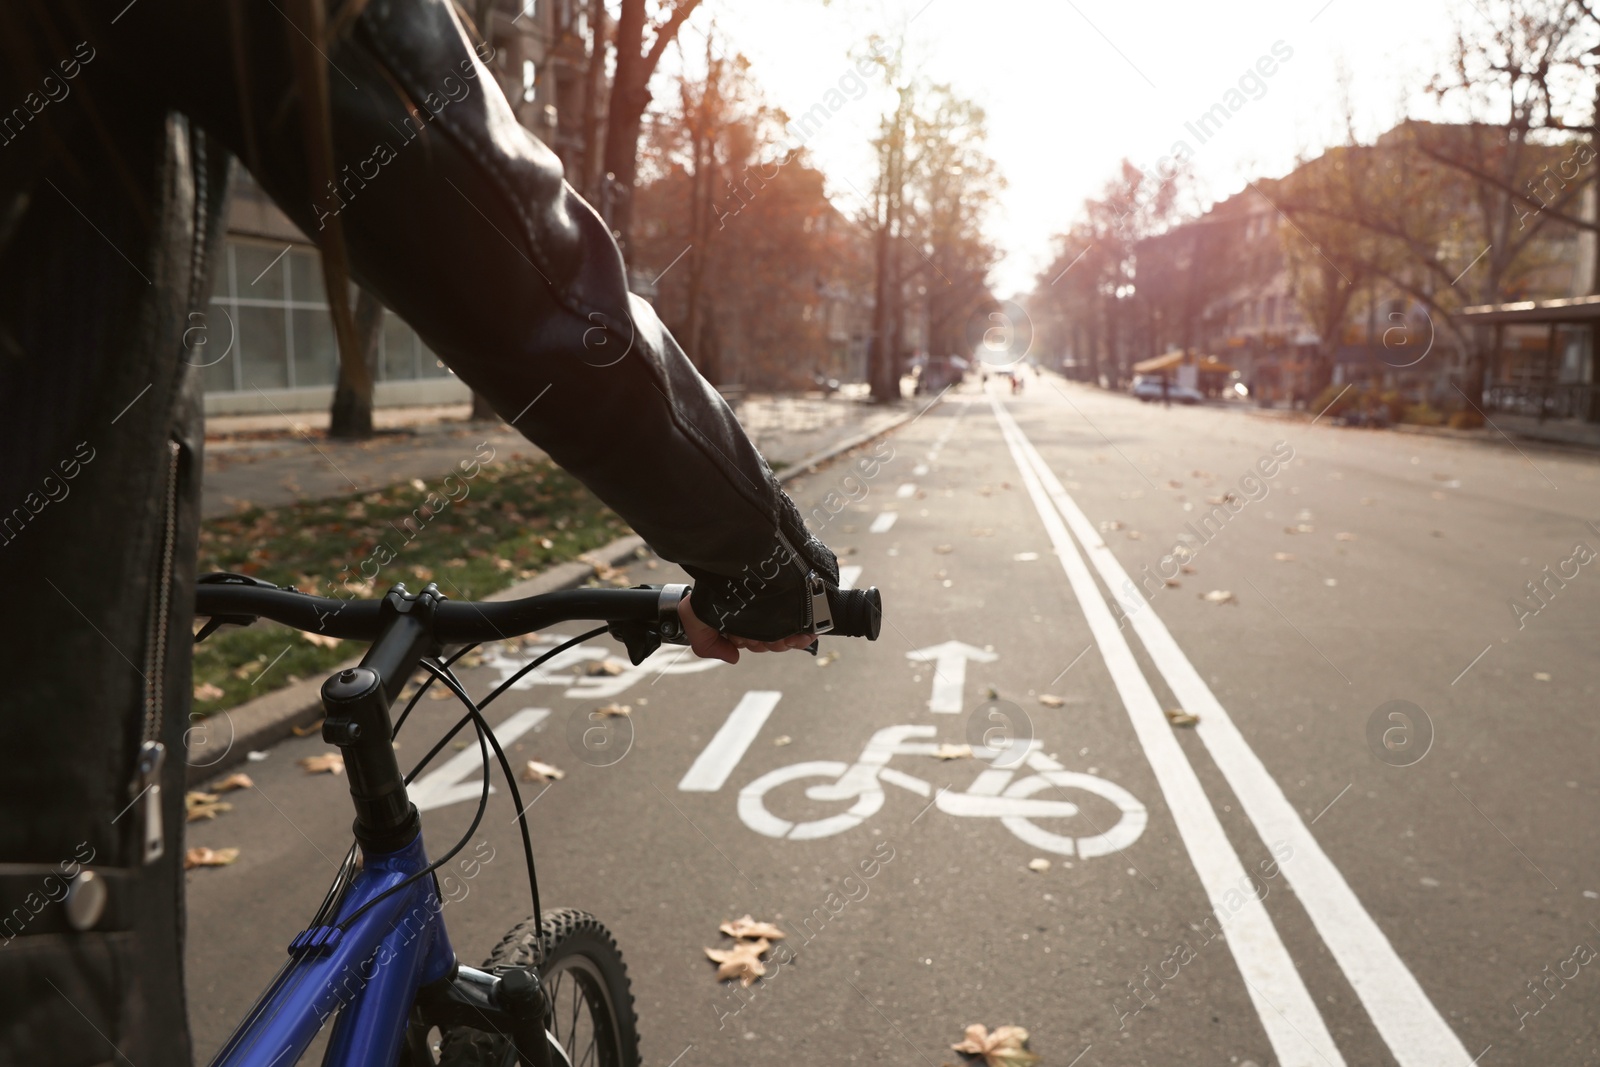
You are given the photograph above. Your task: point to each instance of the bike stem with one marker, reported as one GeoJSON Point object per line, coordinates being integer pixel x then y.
{"type": "Point", "coordinates": [357, 701]}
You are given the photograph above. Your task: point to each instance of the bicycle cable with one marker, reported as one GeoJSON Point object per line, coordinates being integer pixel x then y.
{"type": "Point", "coordinates": [401, 721]}
{"type": "Point", "coordinates": [483, 806]}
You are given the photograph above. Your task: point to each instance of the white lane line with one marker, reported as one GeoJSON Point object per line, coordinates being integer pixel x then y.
{"type": "Point", "coordinates": [712, 767]}
{"type": "Point", "coordinates": [906, 491]}
{"type": "Point", "coordinates": [1292, 1023]}
{"type": "Point", "coordinates": [882, 523]}
{"type": "Point", "coordinates": [447, 785]}
{"type": "Point", "coordinates": [848, 576]}
{"type": "Point", "coordinates": [1407, 1020]}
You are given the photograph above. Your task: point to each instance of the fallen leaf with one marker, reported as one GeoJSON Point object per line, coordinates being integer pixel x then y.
{"type": "Point", "coordinates": [1303, 528]}
{"type": "Point", "coordinates": [1134, 535]}
{"type": "Point", "coordinates": [1050, 700]}
{"type": "Point", "coordinates": [327, 763]}
{"type": "Point", "coordinates": [1025, 557]}
{"type": "Point", "coordinates": [1041, 864]}
{"type": "Point", "coordinates": [321, 640]}
{"type": "Point", "coordinates": [1219, 596]}
{"type": "Point", "coordinates": [943, 550]}
{"type": "Point", "coordinates": [1541, 676]}
{"type": "Point", "coordinates": [982, 532]}
{"type": "Point", "coordinates": [537, 771]}
{"type": "Point", "coordinates": [199, 806]}
{"type": "Point", "coordinates": [1171, 583]}
{"type": "Point", "coordinates": [306, 730]}
{"type": "Point", "coordinates": [1173, 483]}
{"type": "Point", "coordinates": [750, 928]}
{"type": "Point", "coordinates": [605, 666]}
{"type": "Point", "coordinates": [1179, 717]}
{"type": "Point", "coordinates": [779, 742]}
{"type": "Point", "coordinates": [1283, 557]}
{"type": "Point", "coordinates": [1006, 1047]}
{"type": "Point", "coordinates": [742, 961]}
{"type": "Point", "coordinates": [949, 751]}
{"type": "Point", "coordinates": [209, 857]}
{"type": "Point", "coordinates": [611, 711]}
{"type": "Point", "coordinates": [207, 691]}
{"type": "Point", "coordinates": [827, 657]}
{"type": "Point", "coordinates": [1190, 570]}
{"type": "Point", "coordinates": [1109, 525]}
{"type": "Point", "coordinates": [1344, 537]}
{"type": "Point", "coordinates": [238, 780]}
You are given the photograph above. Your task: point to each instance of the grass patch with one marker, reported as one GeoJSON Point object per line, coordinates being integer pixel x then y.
{"type": "Point", "coordinates": [506, 523]}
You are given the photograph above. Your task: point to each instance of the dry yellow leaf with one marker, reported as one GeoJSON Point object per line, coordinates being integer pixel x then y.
{"type": "Point", "coordinates": [308, 729]}
{"type": "Point", "coordinates": [1050, 700]}
{"type": "Point", "coordinates": [209, 857]}
{"type": "Point", "coordinates": [1219, 596]}
{"type": "Point", "coordinates": [1039, 865]}
{"type": "Point", "coordinates": [1006, 1047]}
{"type": "Point", "coordinates": [1179, 717]}
{"type": "Point", "coordinates": [321, 640]}
{"type": "Point", "coordinates": [613, 710]}
{"type": "Point", "coordinates": [949, 751]}
{"type": "Point", "coordinates": [327, 763]}
{"type": "Point", "coordinates": [750, 928]}
{"type": "Point", "coordinates": [742, 961]}
{"type": "Point", "coordinates": [1283, 557]}
{"type": "Point", "coordinates": [1344, 537]}
{"type": "Point", "coordinates": [605, 666]}
{"type": "Point", "coordinates": [207, 691]}
{"type": "Point", "coordinates": [539, 771]}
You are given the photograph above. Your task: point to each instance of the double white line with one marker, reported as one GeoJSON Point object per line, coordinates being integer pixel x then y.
{"type": "Point", "coordinates": [1406, 1020]}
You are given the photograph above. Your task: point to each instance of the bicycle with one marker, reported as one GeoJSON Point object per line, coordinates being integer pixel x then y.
{"type": "Point", "coordinates": [376, 957]}
{"type": "Point", "coordinates": [992, 795]}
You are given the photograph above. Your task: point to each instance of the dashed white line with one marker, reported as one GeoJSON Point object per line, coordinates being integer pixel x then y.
{"type": "Point", "coordinates": [712, 767]}
{"type": "Point", "coordinates": [883, 522]}
{"type": "Point", "coordinates": [906, 491]}
{"type": "Point", "coordinates": [848, 576]}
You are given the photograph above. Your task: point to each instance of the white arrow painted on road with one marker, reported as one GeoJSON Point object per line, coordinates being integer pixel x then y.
{"type": "Point", "coordinates": [446, 786]}
{"type": "Point", "coordinates": [949, 671]}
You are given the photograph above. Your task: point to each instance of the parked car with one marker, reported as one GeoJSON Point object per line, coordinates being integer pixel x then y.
{"type": "Point", "coordinates": [1147, 387]}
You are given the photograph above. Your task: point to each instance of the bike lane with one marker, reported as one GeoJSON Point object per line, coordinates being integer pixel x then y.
{"type": "Point", "coordinates": [907, 923]}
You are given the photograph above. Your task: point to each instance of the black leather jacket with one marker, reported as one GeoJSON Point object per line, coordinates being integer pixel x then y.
{"type": "Point", "coordinates": [112, 185]}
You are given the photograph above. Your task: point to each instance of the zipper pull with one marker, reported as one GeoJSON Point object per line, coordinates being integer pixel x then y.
{"type": "Point", "coordinates": [821, 616]}
{"type": "Point", "coordinates": [147, 785]}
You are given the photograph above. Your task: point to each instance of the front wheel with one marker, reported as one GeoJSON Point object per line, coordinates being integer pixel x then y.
{"type": "Point", "coordinates": [586, 982]}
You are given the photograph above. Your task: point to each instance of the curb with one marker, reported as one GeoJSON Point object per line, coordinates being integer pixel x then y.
{"type": "Point", "coordinates": [809, 464]}
{"type": "Point", "coordinates": [260, 723]}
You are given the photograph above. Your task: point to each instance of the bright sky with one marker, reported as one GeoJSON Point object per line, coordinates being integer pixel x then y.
{"type": "Point", "coordinates": [1073, 86]}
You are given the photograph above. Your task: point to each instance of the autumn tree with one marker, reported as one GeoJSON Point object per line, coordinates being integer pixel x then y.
{"type": "Point", "coordinates": [639, 42]}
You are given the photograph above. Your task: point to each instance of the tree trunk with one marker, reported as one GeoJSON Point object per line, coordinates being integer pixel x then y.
{"type": "Point", "coordinates": [589, 162]}
{"type": "Point", "coordinates": [630, 95]}
{"type": "Point", "coordinates": [350, 417]}
{"type": "Point", "coordinates": [481, 409]}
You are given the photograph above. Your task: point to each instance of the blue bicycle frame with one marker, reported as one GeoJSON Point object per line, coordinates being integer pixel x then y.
{"type": "Point", "coordinates": [368, 974]}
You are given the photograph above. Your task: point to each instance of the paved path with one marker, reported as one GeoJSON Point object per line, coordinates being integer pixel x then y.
{"type": "Point", "coordinates": [269, 460]}
{"type": "Point", "coordinates": [1381, 830]}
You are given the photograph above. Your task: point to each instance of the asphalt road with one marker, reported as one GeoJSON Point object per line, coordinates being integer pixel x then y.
{"type": "Point", "coordinates": [1311, 874]}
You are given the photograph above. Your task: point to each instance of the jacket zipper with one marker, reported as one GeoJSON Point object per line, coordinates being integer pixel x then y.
{"type": "Point", "coordinates": [817, 617]}
{"type": "Point", "coordinates": [146, 785]}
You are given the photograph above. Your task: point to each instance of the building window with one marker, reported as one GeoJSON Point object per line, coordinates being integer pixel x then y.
{"type": "Point", "coordinates": [529, 76]}
{"type": "Point", "coordinates": [270, 316]}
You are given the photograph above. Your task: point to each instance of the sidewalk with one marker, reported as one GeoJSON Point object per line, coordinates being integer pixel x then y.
{"type": "Point", "coordinates": [1565, 434]}
{"type": "Point", "coordinates": [271, 460]}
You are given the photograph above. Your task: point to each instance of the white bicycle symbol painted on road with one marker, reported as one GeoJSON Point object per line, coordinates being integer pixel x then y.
{"type": "Point", "coordinates": [992, 795]}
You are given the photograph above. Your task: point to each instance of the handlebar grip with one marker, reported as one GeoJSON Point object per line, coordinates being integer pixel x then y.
{"type": "Point", "coordinates": [856, 612]}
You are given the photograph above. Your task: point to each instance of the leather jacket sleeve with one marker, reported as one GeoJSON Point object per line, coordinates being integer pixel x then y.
{"type": "Point", "coordinates": [458, 219]}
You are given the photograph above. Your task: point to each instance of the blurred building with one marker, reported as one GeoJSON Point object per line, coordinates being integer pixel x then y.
{"type": "Point", "coordinates": [269, 322]}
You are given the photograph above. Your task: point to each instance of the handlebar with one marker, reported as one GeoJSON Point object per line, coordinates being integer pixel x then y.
{"type": "Point", "coordinates": [239, 598]}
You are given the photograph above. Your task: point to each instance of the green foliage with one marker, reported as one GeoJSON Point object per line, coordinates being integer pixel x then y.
{"type": "Point", "coordinates": [515, 519]}
{"type": "Point", "coordinates": [1423, 414]}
